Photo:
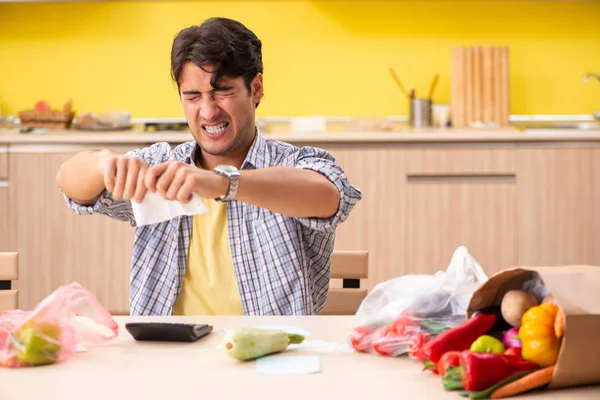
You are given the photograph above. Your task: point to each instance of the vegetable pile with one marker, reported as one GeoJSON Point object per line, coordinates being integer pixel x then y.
{"type": "Point", "coordinates": [501, 351]}
{"type": "Point", "coordinates": [405, 334]}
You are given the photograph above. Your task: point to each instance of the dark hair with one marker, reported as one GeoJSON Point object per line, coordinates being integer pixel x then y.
{"type": "Point", "coordinates": [233, 49]}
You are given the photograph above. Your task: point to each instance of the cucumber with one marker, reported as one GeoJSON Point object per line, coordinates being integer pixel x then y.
{"type": "Point", "coordinates": [251, 343]}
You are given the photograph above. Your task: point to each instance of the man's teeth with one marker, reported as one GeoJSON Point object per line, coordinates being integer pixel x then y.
{"type": "Point", "coordinates": [214, 129]}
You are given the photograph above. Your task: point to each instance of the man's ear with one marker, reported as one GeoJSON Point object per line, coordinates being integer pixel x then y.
{"type": "Point", "coordinates": [257, 88]}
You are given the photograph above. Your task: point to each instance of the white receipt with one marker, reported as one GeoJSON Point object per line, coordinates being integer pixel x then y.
{"type": "Point", "coordinates": [155, 209]}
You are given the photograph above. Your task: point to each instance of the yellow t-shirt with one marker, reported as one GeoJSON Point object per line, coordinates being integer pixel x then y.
{"type": "Point", "coordinates": [210, 285]}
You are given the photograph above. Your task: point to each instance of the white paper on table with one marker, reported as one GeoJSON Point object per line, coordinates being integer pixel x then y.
{"type": "Point", "coordinates": [155, 208]}
{"type": "Point", "coordinates": [321, 346]}
{"type": "Point", "coordinates": [286, 365]}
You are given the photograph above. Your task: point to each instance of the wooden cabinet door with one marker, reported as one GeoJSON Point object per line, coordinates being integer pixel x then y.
{"type": "Point", "coordinates": [3, 162]}
{"type": "Point", "coordinates": [377, 223]}
{"type": "Point", "coordinates": [555, 206]}
{"type": "Point", "coordinates": [4, 231]}
{"type": "Point", "coordinates": [595, 206]}
{"type": "Point", "coordinates": [460, 197]}
{"type": "Point", "coordinates": [56, 246]}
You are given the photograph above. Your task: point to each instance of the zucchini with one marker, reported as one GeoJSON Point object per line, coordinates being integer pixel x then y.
{"type": "Point", "coordinates": [251, 343]}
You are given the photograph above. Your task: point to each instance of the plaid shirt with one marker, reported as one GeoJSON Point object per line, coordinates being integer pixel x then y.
{"type": "Point", "coordinates": [282, 264]}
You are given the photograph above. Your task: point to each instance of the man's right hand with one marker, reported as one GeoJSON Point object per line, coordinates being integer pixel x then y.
{"type": "Point", "coordinates": [123, 176]}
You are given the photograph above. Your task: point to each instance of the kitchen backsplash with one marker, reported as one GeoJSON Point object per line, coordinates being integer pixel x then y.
{"type": "Point", "coordinates": [327, 58]}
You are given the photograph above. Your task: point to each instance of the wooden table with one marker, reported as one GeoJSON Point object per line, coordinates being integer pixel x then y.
{"type": "Point", "coordinates": [125, 369]}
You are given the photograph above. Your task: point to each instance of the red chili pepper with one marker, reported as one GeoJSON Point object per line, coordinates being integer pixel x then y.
{"type": "Point", "coordinates": [458, 338]}
{"type": "Point", "coordinates": [479, 371]}
{"type": "Point", "coordinates": [449, 359]}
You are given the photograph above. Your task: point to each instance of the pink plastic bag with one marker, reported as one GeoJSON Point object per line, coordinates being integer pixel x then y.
{"type": "Point", "coordinates": [53, 331]}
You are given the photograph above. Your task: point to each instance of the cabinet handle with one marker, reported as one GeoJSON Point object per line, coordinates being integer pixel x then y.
{"type": "Point", "coordinates": [462, 178]}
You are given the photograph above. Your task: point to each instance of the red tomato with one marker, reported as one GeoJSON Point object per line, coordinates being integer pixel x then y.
{"type": "Point", "coordinates": [406, 325]}
{"type": "Point", "coordinates": [360, 338]}
{"type": "Point", "coordinates": [513, 351]}
{"type": "Point", "coordinates": [416, 343]}
{"type": "Point", "coordinates": [384, 341]}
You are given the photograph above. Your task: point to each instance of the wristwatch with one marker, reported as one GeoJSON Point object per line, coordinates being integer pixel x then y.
{"type": "Point", "coordinates": [233, 174]}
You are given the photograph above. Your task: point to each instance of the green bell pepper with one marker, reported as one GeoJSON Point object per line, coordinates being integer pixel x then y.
{"type": "Point", "coordinates": [487, 344]}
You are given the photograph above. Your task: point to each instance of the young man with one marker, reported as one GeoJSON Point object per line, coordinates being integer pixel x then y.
{"type": "Point", "coordinates": [264, 246]}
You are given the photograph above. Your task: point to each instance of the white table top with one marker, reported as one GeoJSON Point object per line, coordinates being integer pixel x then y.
{"type": "Point", "coordinates": [126, 369]}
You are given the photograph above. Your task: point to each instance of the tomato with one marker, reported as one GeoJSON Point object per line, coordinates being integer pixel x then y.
{"type": "Point", "coordinates": [513, 351]}
{"type": "Point", "coordinates": [449, 359]}
{"type": "Point", "coordinates": [406, 325]}
{"type": "Point", "coordinates": [416, 343]}
{"type": "Point", "coordinates": [360, 338]}
{"type": "Point", "coordinates": [384, 341]}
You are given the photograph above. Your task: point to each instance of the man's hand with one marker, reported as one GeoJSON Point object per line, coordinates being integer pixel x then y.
{"type": "Point", "coordinates": [123, 176]}
{"type": "Point", "coordinates": [175, 180]}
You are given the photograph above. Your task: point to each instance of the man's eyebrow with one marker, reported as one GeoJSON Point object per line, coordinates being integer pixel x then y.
{"type": "Point", "coordinates": [190, 92]}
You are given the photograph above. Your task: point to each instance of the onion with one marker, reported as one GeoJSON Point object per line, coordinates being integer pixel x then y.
{"type": "Point", "coordinates": [511, 338]}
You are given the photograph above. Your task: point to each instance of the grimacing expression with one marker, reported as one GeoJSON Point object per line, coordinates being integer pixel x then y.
{"type": "Point", "coordinates": [220, 119]}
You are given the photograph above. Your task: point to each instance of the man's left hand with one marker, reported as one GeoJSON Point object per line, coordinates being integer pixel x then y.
{"type": "Point", "coordinates": [175, 180]}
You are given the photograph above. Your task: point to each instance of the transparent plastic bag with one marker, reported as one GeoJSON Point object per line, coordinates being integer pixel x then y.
{"type": "Point", "coordinates": [400, 315]}
{"type": "Point", "coordinates": [58, 326]}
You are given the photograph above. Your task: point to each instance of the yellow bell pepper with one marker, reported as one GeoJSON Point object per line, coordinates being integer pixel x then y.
{"type": "Point", "coordinates": [537, 335]}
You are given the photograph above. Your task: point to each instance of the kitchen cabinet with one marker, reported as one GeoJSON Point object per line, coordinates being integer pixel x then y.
{"type": "Point", "coordinates": [509, 203]}
{"type": "Point", "coordinates": [4, 232]}
{"type": "Point", "coordinates": [460, 197]}
{"type": "Point", "coordinates": [55, 245]}
{"type": "Point", "coordinates": [555, 206]}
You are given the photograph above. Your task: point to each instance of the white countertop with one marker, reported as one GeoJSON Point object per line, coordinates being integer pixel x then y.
{"type": "Point", "coordinates": [405, 136]}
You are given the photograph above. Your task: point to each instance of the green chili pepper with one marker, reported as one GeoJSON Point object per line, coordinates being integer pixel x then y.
{"type": "Point", "coordinates": [487, 344]}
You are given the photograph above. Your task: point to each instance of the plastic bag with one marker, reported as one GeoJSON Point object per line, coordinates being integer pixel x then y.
{"type": "Point", "coordinates": [402, 314]}
{"type": "Point", "coordinates": [57, 327]}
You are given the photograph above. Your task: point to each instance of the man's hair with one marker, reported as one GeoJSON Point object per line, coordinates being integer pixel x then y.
{"type": "Point", "coordinates": [233, 49]}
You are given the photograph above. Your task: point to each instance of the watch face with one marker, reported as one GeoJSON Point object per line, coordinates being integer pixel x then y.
{"type": "Point", "coordinates": [227, 168]}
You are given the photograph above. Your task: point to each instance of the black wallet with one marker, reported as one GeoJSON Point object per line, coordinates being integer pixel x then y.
{"type": "Point", "coordinates": [167, 331]}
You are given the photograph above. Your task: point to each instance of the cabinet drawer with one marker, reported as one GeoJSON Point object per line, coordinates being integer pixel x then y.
{"type": "Point", "coordinates": [3, 162]}
{"type": "Point", "coordinates": [460, 161]}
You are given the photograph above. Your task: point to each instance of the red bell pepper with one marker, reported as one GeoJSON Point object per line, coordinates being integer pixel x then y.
{"type": "Point", "coordinates": [479, 371]}
{"type": "Point", "coordinates": [458, 338]}
{"type": "Point", "coordinates": [449, 359]}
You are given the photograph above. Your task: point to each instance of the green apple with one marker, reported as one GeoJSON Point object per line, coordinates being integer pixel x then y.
{"type": "Point", "coordinates": [38, 343]}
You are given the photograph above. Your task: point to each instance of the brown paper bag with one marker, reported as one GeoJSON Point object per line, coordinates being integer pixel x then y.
{"type": "Point", "coordinates": [576, 289]}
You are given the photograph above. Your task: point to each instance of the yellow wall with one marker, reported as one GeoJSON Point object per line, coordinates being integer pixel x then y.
{"type": "Point", "coordinates": [321, 57]}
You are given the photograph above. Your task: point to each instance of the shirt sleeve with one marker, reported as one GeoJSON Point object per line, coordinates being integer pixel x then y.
{"type": "Point", "coordinates": [120, 209]}
{"type": "Point", "coordinates": [323, 162]}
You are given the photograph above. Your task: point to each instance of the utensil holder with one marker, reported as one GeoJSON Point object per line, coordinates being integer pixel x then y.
{"type": "Point", "coordinates": [420, 113]}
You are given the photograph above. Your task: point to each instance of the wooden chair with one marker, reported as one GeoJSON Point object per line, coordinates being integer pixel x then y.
{"type": "Point", "coordinates": [9, 271]}
{"type": "Point", "coordinates": [351, 267]}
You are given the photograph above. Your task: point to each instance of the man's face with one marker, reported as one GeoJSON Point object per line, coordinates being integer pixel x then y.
{"type": "Point", "coordinates": [221, 120]}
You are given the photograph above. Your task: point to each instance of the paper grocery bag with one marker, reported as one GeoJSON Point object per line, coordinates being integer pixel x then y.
{"type": "Point", "coordinates": [576, 289]}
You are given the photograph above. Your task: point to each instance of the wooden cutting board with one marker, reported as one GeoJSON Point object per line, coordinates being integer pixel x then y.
{"type": "Point", "coordinates": [480, 86]}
